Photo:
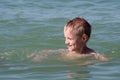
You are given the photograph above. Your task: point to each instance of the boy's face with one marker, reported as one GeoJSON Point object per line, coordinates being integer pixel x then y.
{"type": "Point", "coordinates": [74, 43]}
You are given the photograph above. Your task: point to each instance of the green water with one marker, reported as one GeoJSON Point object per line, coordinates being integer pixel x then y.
{"type": "Point", "coordinates": [30, 26]}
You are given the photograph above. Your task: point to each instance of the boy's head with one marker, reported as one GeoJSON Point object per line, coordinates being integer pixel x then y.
{"type": "Point", "coordinates": [78, 26]}
{"type": "Point", "coordinates": [77, 32]}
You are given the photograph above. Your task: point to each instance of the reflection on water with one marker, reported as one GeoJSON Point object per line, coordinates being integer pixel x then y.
{"type": "Point", "coordinates": [78, 75]}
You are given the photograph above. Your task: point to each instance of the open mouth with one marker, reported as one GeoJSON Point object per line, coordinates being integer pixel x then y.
{"type": "Point", "coordinates": [69, 46]}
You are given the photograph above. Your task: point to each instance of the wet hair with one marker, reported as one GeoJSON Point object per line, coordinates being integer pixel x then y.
{"type": "Point", "coordinates": [78, 26]}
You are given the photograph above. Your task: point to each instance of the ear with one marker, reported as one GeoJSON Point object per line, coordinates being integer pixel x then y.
{"type": "Point", "coordinates": [84, 37]}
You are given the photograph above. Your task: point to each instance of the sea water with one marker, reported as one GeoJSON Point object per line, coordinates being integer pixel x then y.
{"type": "Point", "coordinates": [31, 26]}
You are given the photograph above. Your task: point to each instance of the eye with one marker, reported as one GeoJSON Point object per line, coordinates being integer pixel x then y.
{"type": "Point", "coordinates": [70, 38]}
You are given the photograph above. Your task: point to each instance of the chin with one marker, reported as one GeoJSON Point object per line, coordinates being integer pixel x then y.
{"type": "Point", "coordinates": [70, 49]}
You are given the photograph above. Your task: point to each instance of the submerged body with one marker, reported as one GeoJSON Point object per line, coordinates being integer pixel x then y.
{"type": "Point", "coordinates": [66, 56]}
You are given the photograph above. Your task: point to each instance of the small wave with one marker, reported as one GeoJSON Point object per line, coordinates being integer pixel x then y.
{"type": "Point", "coordinates": [12, 55]}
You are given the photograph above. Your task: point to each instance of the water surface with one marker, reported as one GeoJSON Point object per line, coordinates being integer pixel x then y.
{"type": "Point", "coordinates": [30, 26]}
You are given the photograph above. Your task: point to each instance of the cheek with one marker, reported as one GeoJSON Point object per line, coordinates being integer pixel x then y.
{"type": "Point", "coordinates": [78, 42]}
{"type": "Point", "coordinates": [74, 43]}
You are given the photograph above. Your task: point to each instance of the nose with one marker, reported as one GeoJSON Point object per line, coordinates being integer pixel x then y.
{"type": "Point", "coordinates": [66, 41]}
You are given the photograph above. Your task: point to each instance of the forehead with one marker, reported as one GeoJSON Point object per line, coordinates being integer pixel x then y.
{"type": "Point", "coordinates": [69, 33]}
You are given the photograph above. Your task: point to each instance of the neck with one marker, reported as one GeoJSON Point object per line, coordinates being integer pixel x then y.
{"type": "Point", "coordinates": [82, 50]}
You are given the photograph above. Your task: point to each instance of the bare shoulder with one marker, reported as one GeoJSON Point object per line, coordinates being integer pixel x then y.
{"type": "Point", "coordinates": [101, 57]}
{"type": "Point", "coordinates": [98, 56]}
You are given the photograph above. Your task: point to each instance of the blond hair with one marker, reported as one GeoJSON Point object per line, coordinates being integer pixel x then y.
{"type": "Point", "coordinates": [78, 26]}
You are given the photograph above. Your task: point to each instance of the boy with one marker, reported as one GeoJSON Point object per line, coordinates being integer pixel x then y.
{"type": "Point", "coordinates": [77, 33]}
